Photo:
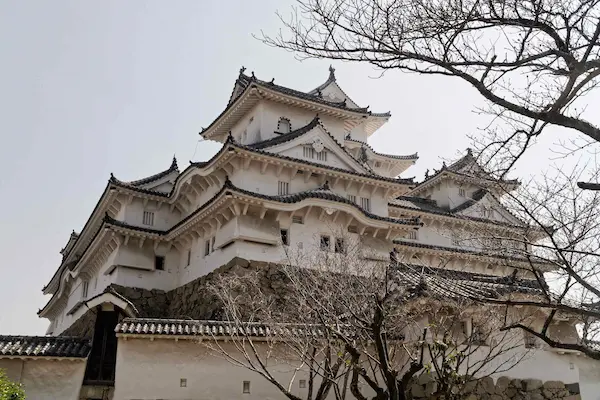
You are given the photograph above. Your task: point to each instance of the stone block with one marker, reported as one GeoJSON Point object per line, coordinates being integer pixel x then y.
{"type": "Point", "coordinates": [554, 385]}
{"type": "Point", "coordinates": [502, 384]}
{"type": "Point", "coordinates": [573, 397]}
{"type": "Point", "coordinates": [532, 384]}
{"type": "Point", "coordinates": [425, 378]}
{"type": "Point", "coordinates": [417, 390]}
{"type": "Point", "coordinates": [487, 383]}
{"type": "Point", "coordinates": [516, 383]}
{"type": "Point", "coordinates": [431, 388]}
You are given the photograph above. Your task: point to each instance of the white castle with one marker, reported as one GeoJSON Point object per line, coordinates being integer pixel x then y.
{"type": "Point", "coordinates": [292, 165]}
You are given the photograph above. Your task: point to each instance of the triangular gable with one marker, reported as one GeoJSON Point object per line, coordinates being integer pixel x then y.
{"type": "Point", "coordinates": [331, 91]}
{"type": "Point", "coordinates": [489, 201]}
{"type": "Point", "coordinates": [164, 184]}
{"type": "Point", "coordinates": [316, 138]}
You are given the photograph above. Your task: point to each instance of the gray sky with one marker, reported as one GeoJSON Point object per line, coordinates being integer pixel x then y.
{"type": "Point", "coordinates": [90, 88]}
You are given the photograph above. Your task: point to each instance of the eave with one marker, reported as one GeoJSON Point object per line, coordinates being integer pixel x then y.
{"type": "Point", "coordinates": [462, 178]}
{"type": "Point", "coordinates": [453, 252]}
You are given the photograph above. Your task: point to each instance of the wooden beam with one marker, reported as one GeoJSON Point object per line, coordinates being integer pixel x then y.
{"type": "Point", "coordinates": [236, 208]}
{"type": "Point", "coordinates": [362, 230]}
{"type": "Point", "coordinates": [141, 242]}
{"type": "Point", "coordinates": [349, 221]}
{"type": "Point", "coordinates": [126, 240]}
{"type": "Point", "coordinates": [263, 167]}
{"type": "Point", "coordinates": [279, 169]}
{"type": "Point", "coordinates": [293, 173]}
{"type": "Point", "coordinates": [336, 215]}
{"type": "Point", "coordinates": [246, 163]}
{"type": "Point", "coordinates": [375, 232]}
{"type": "Point", "coordinates": [307, 175]}
{"type": "Point", "coordinates": [347, 185]}
{"type": "Point", "coordinates": [263, 212]}
{"type": "Point", "coordinates": [321, 215]}
{"type": "Point", "coordinates": [245, 208]}
{"type": "Point", "coordinates": [361, 188]}
{"type": "Point", "coordinates": [335, 182]}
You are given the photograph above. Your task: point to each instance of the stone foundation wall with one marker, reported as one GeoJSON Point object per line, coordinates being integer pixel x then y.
{"type": "Point", "coordinates": [503, 389]}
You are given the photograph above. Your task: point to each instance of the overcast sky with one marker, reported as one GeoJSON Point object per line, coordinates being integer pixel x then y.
{"type": "Point", "coordinates": [90, 88]}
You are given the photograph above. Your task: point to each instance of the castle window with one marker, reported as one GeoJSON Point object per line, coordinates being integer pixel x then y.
{"type": "Point", "coordinates": [461, 192]}
{"type": "Point", "coordinates": [325, 243]}
{"type": "Point", "coordinates": [487, 212]}
{"type": "Point", "coordinates": [159, 263]}
{"type": "Point", "coordinates": [207, 247]}
{"type": "Point", "coordinates": [530, 341]}
{"type": "Point", "coordinates": [283, 188]}
{"type": "Point", "coordinates": [302, 383]}
{"type": "Point", "coordinates": [297, 219]}
{"type": "Point", "coordinates": [284, 125]}
{"type": "Point", "coordinates": [84, 289]}
{"type": "Point", "coordinates": [353, 229]}
{"type": "Point", "coordinates": [412, 235]}
{"type": "Point", "coordinates": [285, 239]}
{"type": "Point", "coordinates": [246, 387]}
{"type": "Point", "coordinates": [308, 152]}
{"type": "Point", "coordinates": [322, 155]}
{"type": "Point", "coordinates": [377, 164]}
{"type": "Point", "coordinates": [148, 218]}
{"type": "Point", "coordinates": [189, 257]}
{"type": "Point", "coordinates": [352, 198]}
{"type": "Point", "coordinates": [365, 203]}
{"type": "Point", "coordinates": [340, 246]}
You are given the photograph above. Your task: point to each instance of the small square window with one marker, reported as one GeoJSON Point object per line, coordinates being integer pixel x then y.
{"type": "Point", "coordinates": [340, 246]}
{"type": "Point", "coordinates": [159, 263]}
{"type": "Point", "coordinates": [302, 383]}
{"type": "Point", "coordinates": [183, 382]}
{"type": "Point", "coordinates": [148, 218]}
{"type": "Point", "coordinates": [84, 289]}
{"type": "Point", "coordinates": [283, 188]}
{"type": "Point", "coordinates": [246, 387]}
{"type": "Point", "coordinates": [325, 243]}
{"type": "Point", "coordinates": [285, 239]}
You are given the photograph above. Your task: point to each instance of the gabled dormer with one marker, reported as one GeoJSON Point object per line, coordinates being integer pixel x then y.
{"type": "Point", "coordinates": [160, 182]}
{"type": "Point", "coordinates": [70, 243]}
{"type": "Point", "coordinates": [330, 90]}
{"type": "Point", "coordinates": [388, 165]}
{"type": "Point", "coordinates": [453, 185]}
{"type": "Point", "coordinates": [313, 142]}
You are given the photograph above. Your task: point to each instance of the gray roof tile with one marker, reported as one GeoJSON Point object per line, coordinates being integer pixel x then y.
{"type": "Point", "coordinates": [44, 346]}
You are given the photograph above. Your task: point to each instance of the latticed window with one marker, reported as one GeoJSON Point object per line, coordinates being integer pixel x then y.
{"type": "Point", "coordinates": [283, 188]}
{"type": "Point", "coordinates": [148, 218]}
{"type": "Point", "coordinates": [322, 156]}
{"type": "Point", "coordinates": [461, 192]}
{"type": "Point", "coordinates": [84, 289]}
{"type": "Point", "coordinates": [284, 125]}
{"type": "Point", "coordinates": [297, 219]}
{"type": "Point", "coordinates": [352, 198]}
{"type": "Point", "coordinates": [308, 152]}
{"type": "Point", "coordinates": [340, 246]}
{"type": "Point", "coordinates": [325, 243]}
{"type": "Point", "coordinates": [365, 203]}
{"type": "Point", "coordinates": [285, 238]}
{"type": "Point", "coordinates": [412, 235]}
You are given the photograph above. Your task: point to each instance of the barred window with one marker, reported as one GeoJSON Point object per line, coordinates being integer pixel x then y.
{"type": "Point", "coordinates": [283, 188]}
{"type": "Point", "coordinates": [148, 218]}
{"type": "Point", "coordinates": [365, 203]}
{"type": "Point", "coordinates": [352, 198]}
{"type": "Point", "coordinates": [322, 156]}
{"type": "Point", "coordinates": [308, 152]}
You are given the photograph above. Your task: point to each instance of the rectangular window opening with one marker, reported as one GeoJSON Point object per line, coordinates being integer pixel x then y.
{"type": "Point", "coordinates": [308, 152]}
{"type": "Point", "coordinates": [353, 229]}
{"type": "Point", "coordinates": [325, 243]}
{"type": "Point", "coordinates": [365, 203]}
{"type": "Point", "coordinates": [283, 188]}
{"type": "Point", "coordinates": [412, 235]}
{"type": "Point", "coordinates": [207, 247]}
{"type": "Point", "coordinates": [246, 387]}
{"type": "Point", "coordinates": [84, 289]}
{"type": "Point", "coordinates": [148, 218]}
{"type": "Point", "coordinates": [352, 198]}
{"type": "Point", "coordinates": [189, 257]}
{"type": "Point", "coordinates": [302, 383]}
{"type": "Point", "coordinates": [159, 263]}
{"type": "Point", "coordinates": [285, 239]}
{"type": "Point", "coordinates": [297, 219]}
{"type": "Point", "coordinates": [461, 192]}
{"type": "Point", "coordinates": [340, 246]}
{"type": "Point", "coordinates": [322, 156]}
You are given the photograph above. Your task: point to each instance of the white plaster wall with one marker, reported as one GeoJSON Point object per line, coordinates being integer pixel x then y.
{"type": "Point", "coordinates": [251, 123]}
{"type": "Point", "coordinates": [144, 275]}
{"type": "Point", "coordinates": [164, 218]}
{"type": "Point", "coordinates": [589, 378]}
{"type": "Point", "coordinates": [46, 379]}
{"type": "Point", "coordinates": [153, 370]}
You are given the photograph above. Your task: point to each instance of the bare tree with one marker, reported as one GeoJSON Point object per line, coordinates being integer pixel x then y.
{"type": "Point", "coordinates": [351, 322]}
{"type": "Point", "coordinates": [533, 62]}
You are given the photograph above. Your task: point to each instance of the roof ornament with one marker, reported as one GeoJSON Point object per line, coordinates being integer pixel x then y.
{"type": "Point", "coordinates": [331, 73]}
{"type": "Point", "coordinates": [444, 165]}
{"type": "Point", "coordinates": [272, 81]}
{"type": "Point", "coordinates": [242, 70]}
{"type": "Point", "coordinates": [469, 151]}
{"type": "Point", "coordinates": [427, 173]}
{"type": "Point", "coordinates": [253, 76]}
{"type": "Point", "coordinates": [174, 163]}
{"type": "Point", "coordinates": [348, 136]}
{"type": "Point", "coordinates": [319, 93]}
{"type": "Point", "coordinates": [326, 186]}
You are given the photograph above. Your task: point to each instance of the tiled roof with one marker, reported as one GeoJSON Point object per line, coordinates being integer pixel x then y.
{"type": "Point", "coordinates": [246, 81]}
{"type": "Point", "coordinates": [451, 284]}
{"type": "Point", "coordinates": [44, 346]}
{"type": "Point", "coordinates": [478, 195]}
{"type": "Point", "coordinates": [471, 252]}
{"type": "Point", "coordinates": [182, 327]}
{"type": "Point", "coordinates": [322, 192]}
{"type": "Point", "coordinates": [155, 177]}
{"type": "Point", "coordinates": [365, 144]}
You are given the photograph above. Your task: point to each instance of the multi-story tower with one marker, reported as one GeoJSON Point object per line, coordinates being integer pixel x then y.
{"type": "Point", "coordinates": [293, 165]}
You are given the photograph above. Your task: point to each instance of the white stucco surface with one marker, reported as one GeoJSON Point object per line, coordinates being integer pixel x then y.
{"type": "Point", "coordinates": [45, 379]}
